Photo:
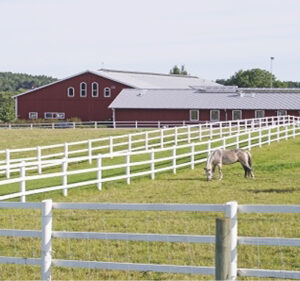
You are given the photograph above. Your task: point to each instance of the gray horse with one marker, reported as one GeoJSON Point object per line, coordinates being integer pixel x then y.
{"type": "Point", "coordinates": [228, 156]}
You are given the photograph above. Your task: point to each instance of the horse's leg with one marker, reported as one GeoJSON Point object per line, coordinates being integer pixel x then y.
{"type": "Point", "coordinates": [247, 168]}
{"type": "Point", "coordinates": [220, 171]}
{"type": "Point", "coordinates": [213, 169]}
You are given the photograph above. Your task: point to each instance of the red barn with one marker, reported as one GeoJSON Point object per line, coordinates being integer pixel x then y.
{"type": "Point", "coordinates": [87, 95]}
{"type": "Point", "coordinates": [217, 103]}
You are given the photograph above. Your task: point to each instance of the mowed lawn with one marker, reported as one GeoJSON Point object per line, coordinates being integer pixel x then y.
{"type": "Point", "coordinates": [277, 181]}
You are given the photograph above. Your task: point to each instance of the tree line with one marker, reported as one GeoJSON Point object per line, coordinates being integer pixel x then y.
{"type": "Point", "coordinates": [256, 78]}
{"type": "Point", "coordinates": [14, 83]}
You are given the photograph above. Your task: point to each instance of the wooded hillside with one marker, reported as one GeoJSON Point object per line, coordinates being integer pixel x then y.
{"type": "Point", "coordinates": [15, 82]}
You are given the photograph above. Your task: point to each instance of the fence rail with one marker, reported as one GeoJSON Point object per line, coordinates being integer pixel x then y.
{"type": "Point", "coordinates": [39, 156]}
{"type": "Point", "coordinates": [230, 211]}
{"type": "Point", "coordinates": [146, 163]}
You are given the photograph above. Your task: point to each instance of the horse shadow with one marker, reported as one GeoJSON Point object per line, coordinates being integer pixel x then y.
{"type": "Point", "coordinates": [272, 190]}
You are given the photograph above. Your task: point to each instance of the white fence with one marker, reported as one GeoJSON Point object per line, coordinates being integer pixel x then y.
{"type": "Point", "coordinates": [230, 209]}
{"type": "Point", "coordinates": [39, 156]}
{"type": "Point", "coordinates": [100, 124]}
{"type": "Point", "coordinates": [149, 162]}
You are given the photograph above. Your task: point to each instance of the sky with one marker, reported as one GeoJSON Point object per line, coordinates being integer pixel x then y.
{"type": "Point", "coordinates": [212, 38]}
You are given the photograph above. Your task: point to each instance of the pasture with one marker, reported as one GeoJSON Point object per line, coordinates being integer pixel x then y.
{"type": "Point", "coordinates": [276, 169]}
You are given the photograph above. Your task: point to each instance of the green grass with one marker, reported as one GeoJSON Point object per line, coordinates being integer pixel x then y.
{"type": "Point", "coordinates": [276, 168]}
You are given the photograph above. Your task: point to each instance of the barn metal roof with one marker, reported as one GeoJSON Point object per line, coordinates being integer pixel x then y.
{"type": "Point", "coordinates": [151, 80]}
{"type": "Point", "coordinates": [140, 80]}
{"type": "Point", "coordinates": [195, 99]}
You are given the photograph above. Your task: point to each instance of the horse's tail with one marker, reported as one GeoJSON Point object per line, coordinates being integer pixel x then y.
{"type": "Point", "coordinates": [249, 159]}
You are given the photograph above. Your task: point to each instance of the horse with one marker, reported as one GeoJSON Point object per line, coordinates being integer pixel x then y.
{"type": "Point", "coordinates": [228, 156]}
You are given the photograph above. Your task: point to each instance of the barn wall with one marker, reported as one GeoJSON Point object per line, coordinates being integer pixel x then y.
{"type": "Point", "coordinates": [54, 98]}
{"type": "Point", "coordinates": [183, 114]}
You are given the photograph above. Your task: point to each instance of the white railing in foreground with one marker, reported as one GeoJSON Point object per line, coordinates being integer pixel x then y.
{"type": "Point", "coordinates": [189, 154]}
{"type": "Point", "coordinates": [40, 155]}
{"type": "Point", "coordinates": [230, 210]}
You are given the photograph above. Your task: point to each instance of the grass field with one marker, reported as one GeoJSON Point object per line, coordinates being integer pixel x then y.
{"type": "Point", "coordinates": [276, 169]}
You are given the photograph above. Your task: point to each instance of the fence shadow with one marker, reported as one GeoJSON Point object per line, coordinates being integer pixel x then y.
{"type": "Point", "coordinates": [273, 190]}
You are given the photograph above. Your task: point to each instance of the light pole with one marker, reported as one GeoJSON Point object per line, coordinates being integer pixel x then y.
{"type": "Point", "coordinates": [271, 70]}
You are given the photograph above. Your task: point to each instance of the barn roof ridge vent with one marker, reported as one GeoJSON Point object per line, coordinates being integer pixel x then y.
{"type": "Point", "coordinates": [146, 73]}
{"type": "Point", "coordinates": [215, 89]}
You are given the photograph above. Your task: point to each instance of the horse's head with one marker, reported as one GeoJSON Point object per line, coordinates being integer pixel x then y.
{"type": "Point", "coordinates": [209, 174]}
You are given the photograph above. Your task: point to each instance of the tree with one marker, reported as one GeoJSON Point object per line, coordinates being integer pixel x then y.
{"type": "Point", "coordinates": [253, 78]}
{"type": "Point", "coordinates": [7, 110]}
{"type": "Point", "coordinates": [178, 71]}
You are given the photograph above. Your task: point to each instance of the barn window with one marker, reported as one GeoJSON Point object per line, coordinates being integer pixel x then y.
{"type": "Point", "coordinates": [107, 92]}
{"type": "Point", "coordinates": [95, 92]}
{"type": "Point", "coordinates": [71, 92]}
{"type": "Point", "coordinates": [236, 115]}
{"type": "Point", "coordinates": [33, 115]}
{"type": "Point", "coordinates": [82, 89]}
{"type": "Point", "coordinates": [281, 112]}
{"type": "Point", "coordinates": [194, 115]}
{"type": "Point", "coordinates": [259, 113]}
{"type": "Point", "coordinates": [215, 115]}
{"type": "Point", "coordinates": [54, 115]}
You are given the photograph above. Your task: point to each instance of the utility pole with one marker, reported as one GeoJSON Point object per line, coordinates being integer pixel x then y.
{"type": "Point", "coordinates": [271, 70]}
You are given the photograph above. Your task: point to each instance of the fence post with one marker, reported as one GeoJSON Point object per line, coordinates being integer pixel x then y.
{"type": "Point", "coordinates": [39, 159]}
{"type": "Point", "coordinates": [74, 125]}
{"type": "Point", "coordinates": [99, 172]}
{"type": "Point", "coordinates": [176, 136]}
{"type": "Point", "coordinates": [7, 156]}
{"type": "Point", "coordinates": [174, 159]}
{"type": "Point", "coordinates": [208, 147]}
{"type": "Point", "coordinates": [46, 247]}
{"type": "Point", "coordinates": [129, 142]}
{"type": "Point", "coordinates": [223, 249]}
{"type": "Point", "coordinates": [210, 130]}
{"type": "Point", "coordinates": [200, 132]}
{"type": "Point", "coordinates": [90, 151]}
{"type": "Point", "coordinates": [114, 124]}
{"type": "Point", "coordinates": [152, 164]}
{"type": "Point", "coordinates": [231, 213]}
{"type": "Point", "coordinates": [230, 129]}
{"type": "Point", "coordinates": [193, 156]}
{"type": "Point", "coordinates": [23, 181]}
{"type": "Point", "coordinates": [52, 125]}
{"type": "Point", "coordinates": [162, 138]}
{"type": "Point", "coordinates": [128, 168]}
{"type": "Point", "coordinates": [136, 124]}
{"type": "Point", "coordinates": [158, 124]}
{"type": "Point", "coordinates": [95, 125]}
{"type": "Point", "coordinates": [189, 134]}
{"type": "Point", "coordinates": [65, 176]}
{"type": "Point", "coordinates": [224, 143]}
